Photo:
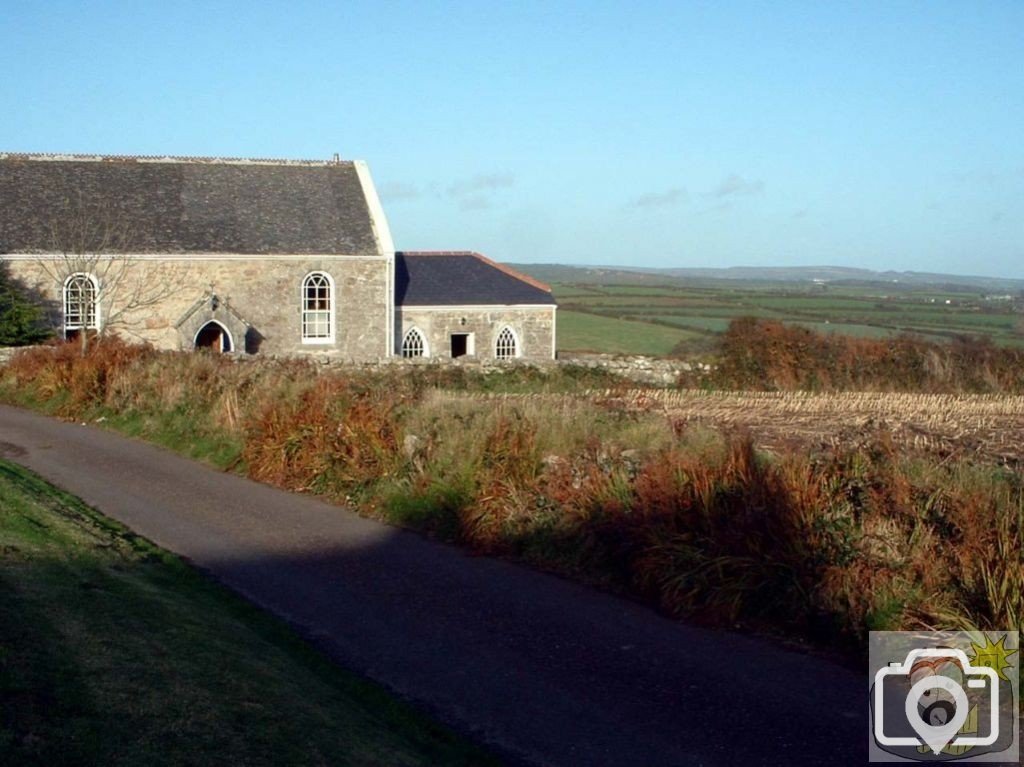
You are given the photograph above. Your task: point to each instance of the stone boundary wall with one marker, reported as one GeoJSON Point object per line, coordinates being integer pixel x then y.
{"type": "Point", "coordinates": [650, 370]}
{"type": "Point", "coordinates": [6, 352]}
{"type": "Point", "coordinates": [655, 371]}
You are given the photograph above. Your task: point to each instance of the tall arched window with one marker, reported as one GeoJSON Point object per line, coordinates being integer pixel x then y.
{"type": "Point", "coordinates": [81, 304]}
{"type": "Point", "coordinates": [414, 344]}
{"type": "Point", "coordinates": [318, 309]}
{"type": "Point", "coordinates": [506, 347]}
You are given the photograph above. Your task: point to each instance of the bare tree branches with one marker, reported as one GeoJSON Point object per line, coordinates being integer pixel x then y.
{"type": "Point", "coordinates": [96, 241]}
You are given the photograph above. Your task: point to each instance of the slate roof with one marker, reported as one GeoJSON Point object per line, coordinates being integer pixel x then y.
{"type": "Point", "coordinates": [462, 278]}
{"type": "Point", "coordinates": [190, 205]}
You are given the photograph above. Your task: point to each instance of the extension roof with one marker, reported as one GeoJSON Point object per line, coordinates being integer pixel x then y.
{"type": "Point", "coordinates": [454, 278]}
{"type": "Point", "coordinates": [189, 204]}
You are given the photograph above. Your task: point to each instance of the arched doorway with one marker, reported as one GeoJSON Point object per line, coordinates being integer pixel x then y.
{"type": "Point", "coordinates": [215, 337]}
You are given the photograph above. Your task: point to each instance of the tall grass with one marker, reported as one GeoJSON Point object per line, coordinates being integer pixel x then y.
{"type": "Point", "coordinates": [828, 544]}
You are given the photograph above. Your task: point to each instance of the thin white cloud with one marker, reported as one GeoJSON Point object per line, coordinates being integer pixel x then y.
{"type": "Point", "coordinates": [665, 199]}
{"type": "Point", "coordinates": [486, 182]}
{"type": "Point", "coordinates": [734, 185]}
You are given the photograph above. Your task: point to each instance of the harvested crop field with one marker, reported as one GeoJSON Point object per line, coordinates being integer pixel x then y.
{"type": "Point", "coordinates": [986, 427]}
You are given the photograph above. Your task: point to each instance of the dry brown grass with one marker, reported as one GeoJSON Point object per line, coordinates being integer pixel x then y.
{"type": "Point", "coordinates": [982, 426]}
{"type": "Point", "coordinates": [822, 514]}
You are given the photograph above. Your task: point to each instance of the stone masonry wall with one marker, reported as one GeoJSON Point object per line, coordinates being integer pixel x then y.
{"type": "Point", "coordinates": [649, 370]}
{"type": "Point", "coordinates": [644, 370]}
{"type": "Point", "coordinates": [533, 327]}
{"type": "Point", "coordinates": [264, 291]}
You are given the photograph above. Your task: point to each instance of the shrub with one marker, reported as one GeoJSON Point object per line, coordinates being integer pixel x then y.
{"type": "Point", "coordinates": [766, 354]}
{"type": "Point", "coordinates": [21, 315]}
{"type": "Point", "coordinates": [338, 437]}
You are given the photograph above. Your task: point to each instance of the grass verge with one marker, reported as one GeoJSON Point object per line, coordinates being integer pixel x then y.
{"type": "Point", "coordinates": [115, 652]}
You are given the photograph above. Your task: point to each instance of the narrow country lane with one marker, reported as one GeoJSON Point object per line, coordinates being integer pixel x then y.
{"type": "Point", "coordinates": [542, 670]}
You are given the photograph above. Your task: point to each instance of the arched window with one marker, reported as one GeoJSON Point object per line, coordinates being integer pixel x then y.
{"type": "Point", "coordinates": [506, 347]}
{"type": "Point", "coordinates": [414, 344]}
{"type": "Point", "coordinates": [81, 304]}
{"type": "Point", "coordinates": [318, 309]}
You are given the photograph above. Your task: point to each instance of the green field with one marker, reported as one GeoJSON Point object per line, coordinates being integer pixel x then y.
{"type": "Point", "coordinates": [114, 652]}
{"type": "Point", "coordinates": [579, 331]}
{"type": "Point", "coordinates": [657, 319]}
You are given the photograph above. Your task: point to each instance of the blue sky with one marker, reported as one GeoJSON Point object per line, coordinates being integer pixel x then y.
{"type": "Point", "coordinates": [884, 135]}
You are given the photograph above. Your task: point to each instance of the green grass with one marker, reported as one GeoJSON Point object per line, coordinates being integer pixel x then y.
{"type": "Point", "coordinates": [578, 331]}
{"type": "Point", "coordinates": [710, 324]}
{"type": "Point", "coordinates": [179, 430]}
{"type": "Point", "coordinates": [114, 652]}
{"type": "Point", "coordinates": [565, 291]}
{"type": "Point", "coordinates": [850, 329]}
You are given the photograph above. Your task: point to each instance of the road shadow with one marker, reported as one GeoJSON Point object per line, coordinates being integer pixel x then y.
{"type": "Point", "coordinates": [542, 670]}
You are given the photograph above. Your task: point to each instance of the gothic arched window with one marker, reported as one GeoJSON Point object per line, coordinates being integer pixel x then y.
{"type": "Point", "coordinates": [506, 347]}
{"type": "Point", "coordinates": [414, 344]}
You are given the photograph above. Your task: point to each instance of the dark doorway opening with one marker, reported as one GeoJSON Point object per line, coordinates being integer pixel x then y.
{"type": "Point", "coordinates": [460, 345]}
{"type": "Point", "coordinates": [214, 337]}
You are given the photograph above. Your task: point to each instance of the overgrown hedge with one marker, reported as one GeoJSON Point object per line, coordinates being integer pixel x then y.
{"type": "Point", "coordinates": [766, 354]}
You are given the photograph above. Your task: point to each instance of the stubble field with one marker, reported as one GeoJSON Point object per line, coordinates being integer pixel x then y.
{"type": "Point", "coordinates": [983, 426]}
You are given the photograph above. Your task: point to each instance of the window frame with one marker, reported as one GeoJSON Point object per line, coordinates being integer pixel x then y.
{"type": "Point", "coordinates": [423, 345]}
{"type": "Point", "coordinates": [307, 313]}
{"type": "Point", "coordinates": [517, 349]}
{"type": "Point", "coordinates": [95, 305]}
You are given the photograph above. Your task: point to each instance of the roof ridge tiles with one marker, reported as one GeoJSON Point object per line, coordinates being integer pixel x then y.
{"type": "Point", "coordinates": [438, 252]}
{"type": "Point", "coordinates": [191, 159]}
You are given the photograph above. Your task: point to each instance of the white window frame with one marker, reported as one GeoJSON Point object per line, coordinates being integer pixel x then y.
{"type": "Point", "coordinates": [423, 343]}
{"type": "Point", "coordinates": [515, 339]}
{"type": "Point", "coordinates": [97, 314]}
{"type": "Point", "coordinates": [332, 300]}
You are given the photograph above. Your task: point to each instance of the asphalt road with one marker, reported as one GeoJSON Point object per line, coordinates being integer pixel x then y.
{"type": "Point", "coordinates": [542, 670]}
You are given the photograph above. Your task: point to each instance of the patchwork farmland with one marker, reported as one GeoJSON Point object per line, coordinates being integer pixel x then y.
{"type": "Point", "coordinates": [687, 318]}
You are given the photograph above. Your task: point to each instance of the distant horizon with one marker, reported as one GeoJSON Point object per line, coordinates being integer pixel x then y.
{"type": "Point", "coordinates": [769, 267]}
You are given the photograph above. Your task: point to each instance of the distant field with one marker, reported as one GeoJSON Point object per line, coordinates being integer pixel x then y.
{"type": "Point", "coordinates": [654, 319]}
{"type": "Point", "coordinates": [578, 331]}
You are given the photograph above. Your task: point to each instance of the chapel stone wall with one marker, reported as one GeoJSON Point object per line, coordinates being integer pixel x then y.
{"type": "Point", "coordinates": [266, 292]}
{"type": "Point", "coordinates": [534, 328]}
